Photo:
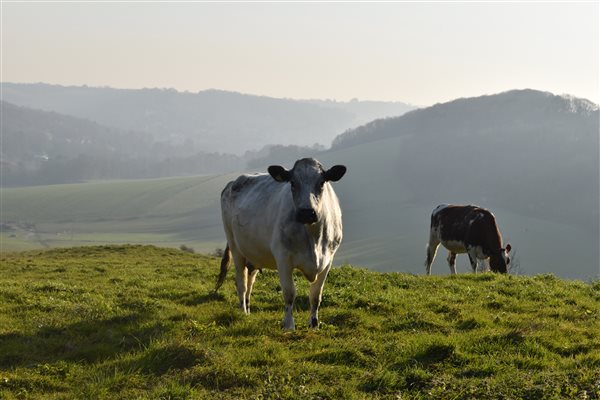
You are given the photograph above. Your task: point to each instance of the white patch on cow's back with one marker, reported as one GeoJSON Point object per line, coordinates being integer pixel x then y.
{"type": "Point", "coordinates": [477, 217]}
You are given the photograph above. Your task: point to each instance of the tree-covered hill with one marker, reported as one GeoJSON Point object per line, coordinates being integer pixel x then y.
{"type": "Point", "coordinates": [211, 121]}
{"type": "Point", "coordinates": [44, 147]}
{"type": "Point", "coordinates": [528, 151]}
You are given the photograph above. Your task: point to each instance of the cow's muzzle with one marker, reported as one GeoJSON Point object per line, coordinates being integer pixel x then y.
{"type": "Point", "coordinates": [306, 216]}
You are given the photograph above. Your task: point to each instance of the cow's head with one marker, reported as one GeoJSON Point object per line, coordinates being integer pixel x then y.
{"type": "Point", "coordinates": [499, 262]}
{"type": "Point", "coordinates": [308, 180]}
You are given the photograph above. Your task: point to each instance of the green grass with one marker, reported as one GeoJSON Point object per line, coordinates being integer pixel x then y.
{"type": "Point", "coordinates": [142, 322]}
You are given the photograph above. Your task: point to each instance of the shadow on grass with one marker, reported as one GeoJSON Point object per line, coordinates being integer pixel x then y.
{"type": "Point", "coordinates": [191, 298]}
{"type": "Point", "coordinates": [436, 353]}
{"type": "Point", "coordinates": [205, 298]}
{"type": "Point", "coordinates": [344, 357]}
{"type": "Point", "coordinates": [85, 341]}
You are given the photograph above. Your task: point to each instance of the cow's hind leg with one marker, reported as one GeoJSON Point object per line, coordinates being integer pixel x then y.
{"type": "Point", "coordinates": [241, 278]}
{"type": "Point", "coordinates": [452, 262]}
{"type": "Point", "coordinates": [249, 284]}
{"type": "Point", "coordinates": [316, 291]}
{"type": "Point", "coordinates": [432, 247]}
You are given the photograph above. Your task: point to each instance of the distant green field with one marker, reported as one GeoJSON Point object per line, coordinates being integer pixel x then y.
{"type": "Point", "coordinates": [124, 322]}
{"type": "Point", "coordinates": [112, 200]}
{"type": "Point", "coordinates": [169, 212]}
{"type": "Point", "coordinates": [384, 227]}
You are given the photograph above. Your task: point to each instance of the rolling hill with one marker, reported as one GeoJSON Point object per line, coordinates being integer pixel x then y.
{"type": "Point", "coordinates": [45, 147]}
{"type": "Point", "coordinates": [529, 151]}
{"type": "Point", "coordinates": [543, 189]}
{"type": "Point", "coordinates": [530, 156]}
{"type": "Point", "coordinates": [207, 121]}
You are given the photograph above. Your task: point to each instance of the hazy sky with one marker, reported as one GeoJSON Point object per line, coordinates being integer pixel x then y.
{"type": "Point", "coordinates": [421, 53]}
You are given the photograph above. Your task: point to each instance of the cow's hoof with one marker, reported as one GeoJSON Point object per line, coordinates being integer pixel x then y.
{"type": "Point", "coordinates": [288, 325]}
{"type": "Point", "coordinates": [314, 322]}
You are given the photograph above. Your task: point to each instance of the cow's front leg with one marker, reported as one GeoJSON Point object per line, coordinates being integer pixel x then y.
{"type": "Point", "coordinates": [473, 259]}
{"type": "Point", "coordinates": [316, 291]}
{"type": "Point", "coordinates": [289, 295]}
{"type": "Point", "coordinates": [249, 284]}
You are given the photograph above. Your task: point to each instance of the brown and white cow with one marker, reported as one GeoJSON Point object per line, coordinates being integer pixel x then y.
{"type": "Point", "coordinates": [467, 229]}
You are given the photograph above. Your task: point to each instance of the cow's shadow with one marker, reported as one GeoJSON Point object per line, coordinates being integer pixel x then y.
{"type": "Point", "coordinates": [85, 341]}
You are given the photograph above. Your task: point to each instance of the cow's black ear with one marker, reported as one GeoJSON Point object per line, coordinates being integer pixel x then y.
{"type": "Point", "coordinates": [508, 248]}
{"type": "Point", "coordinates": [279, 173]}
{"type": "Point", "coordinates": [335, 173]}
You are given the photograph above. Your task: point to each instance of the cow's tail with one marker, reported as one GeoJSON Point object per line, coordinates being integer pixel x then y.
{"type": "Point", "coordinates": [224, 267]}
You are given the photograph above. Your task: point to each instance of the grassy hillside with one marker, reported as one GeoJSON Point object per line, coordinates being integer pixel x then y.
{"type": "Point", "coordinates": [142, 322]}
{"type": "Point", "coordinates": [169, 212]}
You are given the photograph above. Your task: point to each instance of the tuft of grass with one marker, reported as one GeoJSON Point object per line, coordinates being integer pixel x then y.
{"type": "Point", "coordinates": [125, 322]}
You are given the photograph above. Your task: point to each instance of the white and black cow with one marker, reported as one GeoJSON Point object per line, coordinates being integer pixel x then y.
{"type": "Point", "coordinates": [467, 229]}
{"type": "Point", "coordinates": [283, 220]}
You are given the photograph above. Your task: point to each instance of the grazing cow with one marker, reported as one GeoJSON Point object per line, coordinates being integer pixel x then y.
{"type": "Point", "coordinates": [283, 220]}
{"type": "Point", "coordinates": [466, 229]}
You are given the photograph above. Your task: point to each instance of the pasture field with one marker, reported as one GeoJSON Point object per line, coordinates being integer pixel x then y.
{"type": "Point", "coordinates": [125, 322]}
{"type": "Point", "coordinates": [167, 212]}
